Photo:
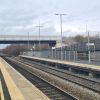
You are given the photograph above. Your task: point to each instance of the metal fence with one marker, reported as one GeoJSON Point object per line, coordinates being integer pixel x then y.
{"type": "Point", "coordinates": [95, 56]}
{"type": "Point", "coordinates": [67, 55]}
{"type": "Point", "coordinates": [75, 52]}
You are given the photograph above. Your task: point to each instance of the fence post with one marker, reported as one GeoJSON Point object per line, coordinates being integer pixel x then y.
{"type": "Point", "coordinates": [69, 55]}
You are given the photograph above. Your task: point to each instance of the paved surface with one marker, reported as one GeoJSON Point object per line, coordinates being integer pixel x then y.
{"type": "Point", "coordinates": [19, 88]}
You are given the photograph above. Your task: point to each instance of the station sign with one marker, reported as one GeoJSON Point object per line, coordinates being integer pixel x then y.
{"type": "Point", "coordinates": [90, 44]}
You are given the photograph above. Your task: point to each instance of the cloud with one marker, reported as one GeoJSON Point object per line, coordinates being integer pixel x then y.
{"type": "Point", "coordinates": [21, 16]}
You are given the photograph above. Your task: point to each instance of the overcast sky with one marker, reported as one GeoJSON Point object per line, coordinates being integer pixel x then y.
{"type": "Point", "coordinates": [22, 16]}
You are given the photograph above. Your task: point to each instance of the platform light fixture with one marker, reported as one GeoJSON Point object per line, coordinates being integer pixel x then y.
{"type": "Point", "coordinates": [60, 15]}
{"type": "Point", "coordinates": [39, 26]}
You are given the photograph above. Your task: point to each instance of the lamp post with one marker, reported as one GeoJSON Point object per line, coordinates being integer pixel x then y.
{"type": "Point", "coordinates": [39, 26]}
{"type": "Point", "coordinates": [61, 33]}
{"type": "Point", "coordinates": [28, 42]}
{"type": "Point", "coordinates": [94, 51]}
{"type": "Point", "coordinates": [88, 44]}
{"type": "Point", "coordinates": [91, 44]}
{"type": "Point", "coordinates": [89, 54]}
{"type": "Point", "coordinates": [33, 50]}
{"type": "Point", "coordinates": [54, 53]}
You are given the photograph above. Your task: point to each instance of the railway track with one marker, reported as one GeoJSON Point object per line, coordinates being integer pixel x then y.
{"type": "Point", "coordinates": [91, 84]}
{"type": "Point", "coordinates": [48, 89]}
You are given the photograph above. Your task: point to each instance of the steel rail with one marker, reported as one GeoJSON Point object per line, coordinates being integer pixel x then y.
{"type": "Point", "coordinates": [85, 82]}
{"type": "Point", "coordinates": [51, 91]}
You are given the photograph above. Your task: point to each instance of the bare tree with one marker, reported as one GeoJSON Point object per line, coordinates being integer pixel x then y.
{"type": "Point", "coordinates": [79, 38]}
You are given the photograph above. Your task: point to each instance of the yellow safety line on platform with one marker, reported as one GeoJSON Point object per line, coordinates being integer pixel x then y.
{"type": "Point", "coordinates": [14, 92]}
{"type": "Point", "coordinates": [1, 92]}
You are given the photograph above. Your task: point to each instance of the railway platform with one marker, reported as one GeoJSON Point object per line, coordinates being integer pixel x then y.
{"type": "Point", "coordinates": [18, 87]}
{"type": "Point", "coordinates": [91, 70]}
